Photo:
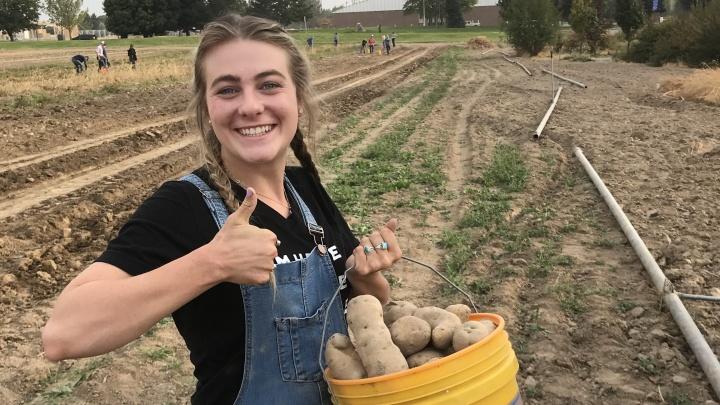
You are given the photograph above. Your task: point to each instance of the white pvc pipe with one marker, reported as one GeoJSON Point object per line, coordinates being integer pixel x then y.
{"type": "Point", "coordinates": [518, 63]}
{"type": "Point", "coordinates": [545, 119]}
{"type": "Point", "coordinates": [564, 78]}
{"type": "Point", "coordinates": [700, 348]}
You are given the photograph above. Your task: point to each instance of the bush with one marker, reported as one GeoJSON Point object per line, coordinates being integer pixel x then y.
{"type": "Point", "coordinates": [529, 24]}
{"type": "Point", "coordinates": [692, 38]}
{"type": "Point", "coordinates": [643, 49]}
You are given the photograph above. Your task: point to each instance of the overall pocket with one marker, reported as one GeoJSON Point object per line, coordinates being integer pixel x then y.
{"type": "Point", "coordinates": [298, 341]}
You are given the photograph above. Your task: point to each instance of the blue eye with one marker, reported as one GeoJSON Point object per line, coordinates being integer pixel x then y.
{"type": "Point", "coordinates": [227, 91]}
{"type": "Point", "coordinates": [270, 86]}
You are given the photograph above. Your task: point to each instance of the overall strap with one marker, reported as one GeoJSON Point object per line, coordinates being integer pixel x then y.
{"type": "Point", "coordinates": [314, 229]}
{"type": "Point", "coordinates": [212, 199]}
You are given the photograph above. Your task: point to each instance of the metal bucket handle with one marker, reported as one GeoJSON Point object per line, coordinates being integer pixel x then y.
{"type": "Point", "coordinates": [332, 300]}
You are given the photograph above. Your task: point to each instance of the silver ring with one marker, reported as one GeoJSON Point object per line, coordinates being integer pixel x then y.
{"type": "Point", "coordinates": [382, 246]}
{"type": "Point", "coordinates": [368, 249]}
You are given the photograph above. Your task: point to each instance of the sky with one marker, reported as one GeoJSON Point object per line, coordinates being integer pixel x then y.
{"type": "Point", "coordinates": [95, 6]}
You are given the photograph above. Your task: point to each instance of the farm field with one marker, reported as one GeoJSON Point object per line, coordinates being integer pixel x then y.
{"type": "Point", "coordinates": [436, 134]}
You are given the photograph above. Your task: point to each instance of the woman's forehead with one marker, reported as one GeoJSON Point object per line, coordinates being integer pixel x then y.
{"type": "Point", "coordinates": [245, 58]}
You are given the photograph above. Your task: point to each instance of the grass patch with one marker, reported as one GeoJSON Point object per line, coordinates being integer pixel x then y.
{"type": "Point", "coordinates": [702, 85]}
{"type": "Point", "coordinates": [571, 297]}
{"type": "Point", "coordinates": [507, 170]}
{"type": "Point", "coordinates": [384, 166]}
{"type": "Point", "coordinates": [63, 382]}
{"type": "Point", "coordinates": [459, 247]}
{"type": "Point", "coordinates": [30, 100]}
{"type": "Point", "coordinates": [487, 209]}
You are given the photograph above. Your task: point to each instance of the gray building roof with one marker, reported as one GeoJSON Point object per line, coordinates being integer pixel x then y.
{"type": "Point", "coordinates": [390, 5]}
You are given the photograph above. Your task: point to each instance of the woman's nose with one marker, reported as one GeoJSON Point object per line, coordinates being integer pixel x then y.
{"type": "Point", "coordinates": [250, 104]}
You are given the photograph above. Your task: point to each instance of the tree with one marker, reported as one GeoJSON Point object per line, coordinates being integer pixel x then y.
{"type": "Point", "coordinates": [216, 8]}
{"type": "Point", "coordinates": [629, 17]}
{"type": "Point", "coordinates": [455, 17]}
{"type": "Point", "coordinates": [583, 19]}
{"type": "Point", "coordinates": [564, 7]}
{"type": "Point", "coordinates": [65, 13]}
{"type": "Point", "coordinates": [435, 10]}
{"type": "Point", "coordinates": [121, 16]}
{"type": "Point", "coordinates": [530, 24]}
{"type": "Point", "coordinates": [16, 15]}
{"type": "Point", "coordinates": [283, 11]}
{"type": "Point", "coordinates": [193, 14]}
{"type": "Point", "coordinates": [146, 17]}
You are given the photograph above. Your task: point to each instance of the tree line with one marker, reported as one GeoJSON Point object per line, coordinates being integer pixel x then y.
{"type": "Point", "coordinates": [147, 17]}
{"type": "Point", "coordinates": [691, 35]}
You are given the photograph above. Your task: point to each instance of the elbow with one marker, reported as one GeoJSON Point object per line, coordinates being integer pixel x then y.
{"type": "Point", "coordinates": [54, 347]}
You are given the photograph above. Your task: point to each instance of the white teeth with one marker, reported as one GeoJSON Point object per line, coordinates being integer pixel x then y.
{"type": "Point", "coordinates": [255, 131]}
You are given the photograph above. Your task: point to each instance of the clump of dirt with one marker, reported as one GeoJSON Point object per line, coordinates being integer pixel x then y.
{"type": "Point", "coordinates": [480, 43]}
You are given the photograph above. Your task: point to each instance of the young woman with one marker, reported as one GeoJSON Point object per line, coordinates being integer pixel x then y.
{"type": "Point", "coordinates": [204, 248]}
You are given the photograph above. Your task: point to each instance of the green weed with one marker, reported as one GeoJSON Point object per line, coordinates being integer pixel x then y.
{"type": "Point", "coordinates": [507, 170]}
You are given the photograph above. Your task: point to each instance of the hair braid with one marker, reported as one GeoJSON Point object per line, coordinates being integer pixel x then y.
{"type": "Point", "coordinates": [301, 152]}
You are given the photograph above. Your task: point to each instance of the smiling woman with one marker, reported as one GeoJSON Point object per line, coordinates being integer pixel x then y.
{"type": "Point", "coordinates": [204, 248]}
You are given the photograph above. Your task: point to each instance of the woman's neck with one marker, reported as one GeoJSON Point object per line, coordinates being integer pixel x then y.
{"type": "Point", "coordinates": [267, 180]}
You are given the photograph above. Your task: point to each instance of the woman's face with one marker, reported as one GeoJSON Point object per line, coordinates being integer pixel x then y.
{"type": "Point", "coordinates": [252, 102]}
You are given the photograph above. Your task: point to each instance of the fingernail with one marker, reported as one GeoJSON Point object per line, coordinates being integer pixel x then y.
{"type": "Point", "coordinates": [249, 193]}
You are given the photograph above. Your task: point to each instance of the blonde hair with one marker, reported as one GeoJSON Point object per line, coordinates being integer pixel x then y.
{"type": "Point", "coordinates": [228, 28]}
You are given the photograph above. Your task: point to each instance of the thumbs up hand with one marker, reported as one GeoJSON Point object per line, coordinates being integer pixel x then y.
{"type": "Point", "coordinates": [243, 253]}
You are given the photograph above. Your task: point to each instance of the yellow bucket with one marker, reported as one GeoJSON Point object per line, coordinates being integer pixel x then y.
{"type": "Point", "coordinates": [482, 374]}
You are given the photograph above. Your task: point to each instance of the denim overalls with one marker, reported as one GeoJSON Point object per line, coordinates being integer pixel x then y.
{"type": "Point", "coordinates": [283, 328]}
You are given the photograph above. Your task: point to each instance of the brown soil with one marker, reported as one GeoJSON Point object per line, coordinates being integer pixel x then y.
{"type": "Point", "coordinates": [656, 155]}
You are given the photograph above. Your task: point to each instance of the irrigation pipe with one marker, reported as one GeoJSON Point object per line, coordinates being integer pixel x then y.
{"type": "Point", "coordinates": [700, 348]}
{"type": "Point", "coordinates": [545, 119]}
{"type": "Point", "coordinates": [584, 86]}
{"type": "Point", "coordinates": [695, 297]}
{"type": "Point", "coordinates": [517, 63]}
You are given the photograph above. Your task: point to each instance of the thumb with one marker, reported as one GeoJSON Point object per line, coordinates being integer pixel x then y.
{"type": "Point", "coordinates": [247, 206]}
{"type": "Point", "coordinates": [392, 224]}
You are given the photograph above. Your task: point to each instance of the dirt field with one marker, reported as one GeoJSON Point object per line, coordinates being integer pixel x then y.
{"type": "Point", "coordinates": [447, 126]}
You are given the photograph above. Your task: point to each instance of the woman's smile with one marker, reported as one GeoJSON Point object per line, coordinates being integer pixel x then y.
{"type": "Point", "coordinates": [256, 131]}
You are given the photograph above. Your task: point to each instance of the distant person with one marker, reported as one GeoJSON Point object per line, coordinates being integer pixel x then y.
{"type": "Point", "coordinates": [79, 61]}
{"type": "Point", "coordinates": [100, 55]}
{"type": "Point", "coordinates": [363, 46]}
{"type": "Point", "coordinates": [336, 39]}
{"type": "Point", "coordinates": [386, 44]}
{"type": "Point", "coordinates": [379, 28]}
{"type": "Point", "coordinates": [107, 60]}
{"type": "Point", "coordinates": [132, 56]}
{"type": "Point", "coordinates": [371, 43]}
{"type": "Point", "coordinates": [392, 37]}
{"type": "Point", "coordinates": [310, 41]}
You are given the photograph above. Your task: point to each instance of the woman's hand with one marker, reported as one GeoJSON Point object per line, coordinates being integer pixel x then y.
{"type": "Point", "coordinates": [378, 251]}
{"type": "Point", "coordinates": [243, 253]}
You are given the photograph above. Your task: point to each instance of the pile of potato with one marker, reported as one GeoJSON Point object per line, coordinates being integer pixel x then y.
{"type": "Point", "coordinates": [399, 336]}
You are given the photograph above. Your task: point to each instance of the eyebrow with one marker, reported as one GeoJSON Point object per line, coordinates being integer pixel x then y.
{"type": "Point", "coordinates": [235, 79]}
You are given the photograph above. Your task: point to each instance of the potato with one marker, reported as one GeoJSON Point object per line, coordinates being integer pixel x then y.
{"type": "Point", "coordinates": [395, 310]}
{"type": "Point", "coordinates": [461, 310]}
{"type": "Point", "coordinates": [342, 359]}
{"type": "Point", "coordinates": [411, 334]}
{"type": "Point", "coordinates": [443, 324]}
{"type": "Point", "coordinates": [371, 337]}
{"type": "Point", "coordinates": [423, 356]}
{"type": "Point", "coordinates": [471, 332]}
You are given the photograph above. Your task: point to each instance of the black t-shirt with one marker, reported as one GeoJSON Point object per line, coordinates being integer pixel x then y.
{"type": "Point", "coordinates": [175, 221]}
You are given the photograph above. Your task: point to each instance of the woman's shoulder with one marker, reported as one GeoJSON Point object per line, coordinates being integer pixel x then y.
{"type": "Point", "coordinates": [177, 192]}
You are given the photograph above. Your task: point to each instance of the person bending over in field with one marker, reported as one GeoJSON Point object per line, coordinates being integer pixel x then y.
{"type": "Point", "coordinates": [206, 248]}
{"type": "Point", "coordinates": [80, 62]}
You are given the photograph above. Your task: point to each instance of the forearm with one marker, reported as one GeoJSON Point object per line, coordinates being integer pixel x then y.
{"type": "Point", "coordinates": [373, 283]}
{"type": "Point", "coordinates": [101, 315]}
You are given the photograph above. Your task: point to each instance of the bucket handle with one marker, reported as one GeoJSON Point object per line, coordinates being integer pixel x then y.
{"type": "Point", "coordinates": [332, 300]}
